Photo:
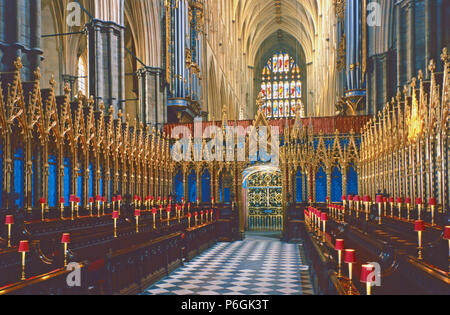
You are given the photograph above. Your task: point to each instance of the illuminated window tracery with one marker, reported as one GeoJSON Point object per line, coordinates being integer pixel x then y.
{"type": "Point", "coordinates": [281, 87]}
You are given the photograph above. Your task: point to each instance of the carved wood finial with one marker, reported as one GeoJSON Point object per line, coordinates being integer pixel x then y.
{"type": "Point", "coordinates": [420, 75]}
{"type": "Point", "coordinates": [432, 66]}
{"type": "Point", "coordinates": [37, 74]}
{"type": "Point", "coordinates": [444, 55]}
{"type": "Point", "coordinates": [101, 106]}
{"type": "Point", "coordinates": [67, 89]}
{"type": "Point", "coordinates": [91, 101]}
{"type": "Point", "coordinates": [18, 64]}
{"type": "Point", "coordinates": [413, 82]}
{"type": "Point", "coordinates": [52, 81]}
{"type": "Point", "coordinates": [120, 114]}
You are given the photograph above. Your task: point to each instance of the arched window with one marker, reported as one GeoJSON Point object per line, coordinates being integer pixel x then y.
{"type": "Point", "coordinates": [82, 76]}
{"type": "Point", "coordinates": [281, 87]}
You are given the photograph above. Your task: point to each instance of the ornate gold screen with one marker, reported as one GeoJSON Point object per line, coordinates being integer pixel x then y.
{"type": "Point", "coordinates": [265, 202]}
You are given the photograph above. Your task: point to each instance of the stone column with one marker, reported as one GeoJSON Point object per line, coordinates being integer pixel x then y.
{"type": "Point", "coordinates": [151, 107]}
{"type": "Point", "coordinates": [106, 63]}
{"type": "Point", "coordinates": [410, 48]}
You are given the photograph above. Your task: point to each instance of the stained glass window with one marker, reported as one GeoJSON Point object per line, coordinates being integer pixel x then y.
{"type": "Point", "coordinates": [281, 87]}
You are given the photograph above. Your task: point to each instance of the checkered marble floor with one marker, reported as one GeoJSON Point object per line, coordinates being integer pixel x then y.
{"type": "Point", "coordinates": [260, 265]}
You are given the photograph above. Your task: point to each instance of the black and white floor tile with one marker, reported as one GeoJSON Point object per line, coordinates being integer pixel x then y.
{"type": "Point", "coordinates": [260, 265]}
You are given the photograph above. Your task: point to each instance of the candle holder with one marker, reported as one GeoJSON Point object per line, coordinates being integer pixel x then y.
{"type": "Point", "coordinates": [113, 199]}
{"type": "Point", "coordinates": [91, 207]}
{"type": "Point", "coordinates": [119, 201]}
{"type": "Point", "coordinates": [344, 201]}
{"type": "Point", "coordinates": [42, 202]}
{"type": "Point", "coordinates": [367, 201]}
{"type": "Point", "coordinates": [62, 201]}
{"type": "Point", "coordinates": [324, 218]}
{"type": "Point", "coordinates": [115, 216]}
{"type": "Point", "coordinates": [408, 208]}
{"type": "Point", "coordinates": [24, 247]}
{"type": "Point", "coordinates": [367, 275]}
{"type": "Point", "coordinates": [98, 199]}
{"type": "Point", "coordinates": [154, 218]}
{"type": "Point", "coordinates": [385, 201]}
{"type": "Point", "coordinates": [160, 212]}
{"type": "Point", "coordinates": [399, 205]}
{"type": "Point", "coordinates": [379, 201]}
{"type": "Point", "coordinates": [9, 221]}
{"type": "Point", "coordinates": [419, 227]}
{"type": "Point", "coordinates": [350, 203]}
{"type": "Point", "coordinates": [357, 200]}
{"type": "Point", "coordinates": [137, 214]}
{"type": "Point", "coordinates": [77, 206]}
{"type": "Point", "coordinates": [432, 203]}
{"type": "Point", "coordinates": [65, 240]}
{"type": "Point", "coordinates": [339, 246]}
{"type": "Point", "coordinates": [168, 215]}
{"type": "Point", "coordinates": [349, 258]}
{"type": "Point", "coordinates": [189, 220]}
{"type": "Point", "coordinates": [72, 201]}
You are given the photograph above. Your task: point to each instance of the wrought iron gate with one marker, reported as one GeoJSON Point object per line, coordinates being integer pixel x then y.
{"type": "Point", "coordinates": [265, 202]}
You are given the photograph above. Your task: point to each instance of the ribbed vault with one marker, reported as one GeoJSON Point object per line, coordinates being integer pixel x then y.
{"type": "Point", "coordinates": [258, 19]}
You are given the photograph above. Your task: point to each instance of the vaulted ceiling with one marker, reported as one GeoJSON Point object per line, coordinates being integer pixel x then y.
{"type": "Point", "coordinates": [259, 19]}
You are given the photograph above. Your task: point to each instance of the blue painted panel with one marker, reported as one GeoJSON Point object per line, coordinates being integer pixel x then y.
{"type": "Point", "coordinates": [80, 183]}
{"type": "Point", "coordinates": [91, 181]}
{"type": "Point", "coordinates": [352, 181]}
{"type": "Point", "coordinates": [206, 186]}
{"type": "Point", "coordinates": [321, 186]}
{"type": "Point", "coordinates": [220, 189]}
{"type": "Point", "coordinates": [178, 184]}
{"type": "Point", "coordinates": [52, 181]}
{"type": "Point", "coordinates": [336, 185]}
{"type": "Point", "coordinates": [19, 176]}
{"type": "Point", "coordinates": [192, 185]}
{"type": "Point", "coordinates": [101, 182]}
{"type": "Point", "coordinates": [226, 195]}
{"type": "Point", "coordinates": [299, 192]}
{"type": "Point", "coordinates": [67, 172]}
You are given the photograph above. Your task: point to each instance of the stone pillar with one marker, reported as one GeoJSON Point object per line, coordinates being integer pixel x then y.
{"type": "Point", "coordinates": [398, 14]}
{"type": "Point", "coordinates": [151, 107]}
{"type": "Point", "coordinates": [410, 49]}
{"type": "Point", "coordinates": [20, 35]}
{"type": "Point", "coordinates": [106, 63]}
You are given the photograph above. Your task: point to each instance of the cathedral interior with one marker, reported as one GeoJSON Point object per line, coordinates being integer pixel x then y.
{"type": "Point", "coordinates": [224, 147]}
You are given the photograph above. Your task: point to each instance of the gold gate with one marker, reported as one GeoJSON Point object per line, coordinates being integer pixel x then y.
{"type": "Point", "coordinates": [265, 202]}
